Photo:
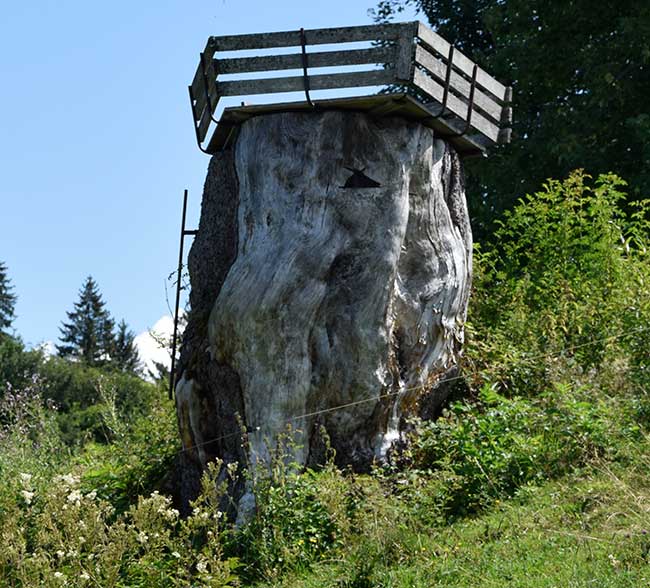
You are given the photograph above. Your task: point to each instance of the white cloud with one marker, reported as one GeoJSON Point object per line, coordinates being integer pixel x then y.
{"type": "Point", "coordinates": [47, 347]}
{"type": "Point", "coordinates": [149, 347]}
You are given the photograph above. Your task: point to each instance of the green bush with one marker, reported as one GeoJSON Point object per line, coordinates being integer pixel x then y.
{"type": "Point", "coordinates": [17, 364]}
{"type": "Point", "coordinates": [72, 385]}
{"type": "Point", "coordinates": [292, 525]}
{"type": "Point", "coordinates": [139, 459]}
{"type": "Point", "coordinates": [487, 451]}
{"type": "Point", "coordinates": [565, 276]}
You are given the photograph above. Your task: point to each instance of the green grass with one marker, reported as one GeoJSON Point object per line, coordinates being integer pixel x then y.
{"type": "Point", "coordinates": [583, 530]}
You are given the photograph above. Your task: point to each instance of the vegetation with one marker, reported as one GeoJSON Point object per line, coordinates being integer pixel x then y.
{"type": "Point", "coordinates": [579, 79]}
{"type": "Point", "coordinates": [537, 477]}
{"type": "Point", "coordinates": [7, 300]}
{"type": "Point", "coordinates": [89, 335]}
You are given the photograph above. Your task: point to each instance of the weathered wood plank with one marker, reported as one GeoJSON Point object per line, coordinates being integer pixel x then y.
{"type": "Point", "coordinates": [455, 105]}
{"type": "Point", "coordinates": [197, 80]}
{"type": "Point", "coordinates": [294, 60]}
{"type": "Point", "coordinates": [405, 48]}
{"type": "Point", "coordinates": [458, 82]}
{"type": "Point", "coordinates": [376, 104]}
{"type": "Point", "coordinates": [463, 63]}
{"type": "Point", "coordinates": [296, 83]}
{"type": "Point", "coordinates": [312, 36]}
{"type": "Point", "coordinates": [201, 99]}
{"type": "Point", "coordinates": [204, 123]}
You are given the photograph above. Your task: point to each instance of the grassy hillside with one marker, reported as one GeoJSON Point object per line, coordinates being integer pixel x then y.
{"type": "Point", "coordinates": [536, 475]}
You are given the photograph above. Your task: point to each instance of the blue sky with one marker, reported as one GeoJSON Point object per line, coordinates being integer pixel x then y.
{"type": "Point", "coordinates": [97, 144]}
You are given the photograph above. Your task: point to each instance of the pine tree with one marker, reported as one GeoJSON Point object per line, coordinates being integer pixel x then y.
{"type": "Point", "coordinates": [125, 355]}
{"type": "Point", "coordinates": [7, 300]}
{"type": "Point", "coordinates": [88, 336]}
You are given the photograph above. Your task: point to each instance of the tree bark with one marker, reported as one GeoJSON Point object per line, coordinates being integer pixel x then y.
{"type": "Point", "coordinates": [331, 268]}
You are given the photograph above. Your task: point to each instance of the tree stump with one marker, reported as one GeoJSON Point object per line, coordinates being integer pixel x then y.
{"type": "Point", "coordinates": [329, 285]}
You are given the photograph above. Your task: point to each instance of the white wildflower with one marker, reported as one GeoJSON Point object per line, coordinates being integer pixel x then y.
{"type": "Point", "coordinates": [68, 479]}
{"type": "Point", "coordinates": [202, 567]}
{"type": "Point", "coordinates": [84, 576]}
{"type": "Point", "coordinates": [59, 576]}
{"type": "Point", "coordinates": [92, 495]}
{"type": "Point", "coordinates": [176, 554]}
{"type": "Point", "coordinates": [27, 496]}
{"type": "Point", "coordinates": [74, 497]}
{"type": "Point", "coordinates": [25, 478]}
{"type": "Point", "coordinates": [142, 537]}
{"type": "Point", "coordinates": [60, 553]}
{"type": "Point", "coordinates": [195, 511]}
{"type": "Point", "coordinates": [172, 514]}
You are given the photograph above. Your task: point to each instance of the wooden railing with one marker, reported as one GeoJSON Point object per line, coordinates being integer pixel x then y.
{"type": "Point", "coordinates": [462, 97]}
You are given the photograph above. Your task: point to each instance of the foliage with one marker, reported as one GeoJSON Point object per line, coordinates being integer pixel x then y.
{"type": "Point", "coordinates": [579, 79]}
{"type": "Point", "coordinates": [566, 278]}
{"type": "Point", "coordinates": [7, 300]}
{"type": "Point", "coordinates": [63, 536]}
{"type": "Point", "coordinates": [17, 364]}
{"type": "Point", "coordinates": [291, 525]}
{"type": "Point", "coordinates": [83, 394]}
{"type": "Point", "coordinates": [125, 355]}
{"type": "Point", "coordinates": [488, 453]}
{"type": "Point", "coordinates": [88, 334]}
{"type": "Point", "coordinates": [139, 458]}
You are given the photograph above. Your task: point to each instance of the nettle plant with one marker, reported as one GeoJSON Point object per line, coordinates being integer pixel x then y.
{"type": "Point", "coordinates": [565, 276]}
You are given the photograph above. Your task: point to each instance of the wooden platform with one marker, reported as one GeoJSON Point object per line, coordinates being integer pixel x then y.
{"type": "Point", "coordinates": [436, 83]}
{"type": "Point", "coordinates": [379, 105]}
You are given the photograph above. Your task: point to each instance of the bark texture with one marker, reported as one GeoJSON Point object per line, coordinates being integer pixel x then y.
{"type": "Point", "coordinates": [332, 266]}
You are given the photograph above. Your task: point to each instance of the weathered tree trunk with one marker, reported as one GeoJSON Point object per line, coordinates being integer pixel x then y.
{"type": "Point", "coordinates": [332, 267]}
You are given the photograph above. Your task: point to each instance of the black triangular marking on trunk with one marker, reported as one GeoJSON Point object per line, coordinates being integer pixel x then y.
{"type": "Point", "coordinates": [359, 180]}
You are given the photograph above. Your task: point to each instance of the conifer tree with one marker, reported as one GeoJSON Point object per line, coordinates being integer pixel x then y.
{"type": "Point", "coordinates": [88, 335]}
{"type": "Point", "coordinates": [125, 355]}
{"type": "Point", "coordinates": [7, 300]}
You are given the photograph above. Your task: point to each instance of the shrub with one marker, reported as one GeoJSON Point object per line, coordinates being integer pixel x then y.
{"type": "Point", "coordinates": [488, 451]}
{"type": "Point", "coordinates": [566, 275]}
{"type": "Point", "coordinates": [60, 535]}
{"type": "Point", "coordinates": [292, 525]}
{"type": "Point", "coordinates": [17, 364]}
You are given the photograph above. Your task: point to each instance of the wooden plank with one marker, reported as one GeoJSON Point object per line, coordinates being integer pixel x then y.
{"type": "Point", "coordinates": [197, 80]}
{"type": "Point", "coordinates": [201, 99]}
{"type": "Point", "coordinates": [458, 82]}
{"type": "Point", "coordinates": [405, 51]}
{"type": "Point", "coordinates": [440, 46]}
{"type": "Point", "coordinates": [381, 32]}
{"type": "Point", "coordinates": [470, 145]}
{"type": "Point", "coordinates": [294, 60]}
{"type": "Point", "coordinates": [204, 124]}
{"type": "Point", "coordinates": [455, 105]}
{"type": "Point", "coordinates": [296, 83]}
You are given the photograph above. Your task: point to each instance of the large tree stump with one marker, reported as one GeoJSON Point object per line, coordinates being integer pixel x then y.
{"type": "Point", "coordinates": [331, 267]}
